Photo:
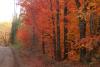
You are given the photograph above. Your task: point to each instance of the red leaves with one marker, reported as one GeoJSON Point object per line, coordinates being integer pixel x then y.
{"type": "Point", "coordinates": [24, 35]}
{"type": "Point", "coordinates": [38, 14]}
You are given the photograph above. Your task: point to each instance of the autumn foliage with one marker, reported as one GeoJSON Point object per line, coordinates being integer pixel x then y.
{"type": "Point", "coordinates": [54, 25]}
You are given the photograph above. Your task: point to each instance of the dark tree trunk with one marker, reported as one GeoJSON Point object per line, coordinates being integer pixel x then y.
{"type": "Point", "coordinates": [82, 27]}
{"type": "Point", "coordinates": [92, 24]}
{"type": "Point", "coordinates": [58, 57]}
{"type": "Point", "coordinates": [65, 32]}
{"type": "Point", "coordinates": [98, 29]}
{"type": "Point", "coordinates": [53, 30]}
{"type": "Point", "coordinates": [82, 22]}
{"type": "Point", "coordinates": [14, 29]}
{"type": "Point", "coordinates": [78, 3]}
{"type": "Point", "coordinates": [82, 54]}
{"type": "Point", "coordinates": [43, 44]}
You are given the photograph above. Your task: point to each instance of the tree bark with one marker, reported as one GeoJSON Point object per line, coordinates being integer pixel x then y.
{"type": "Point", "coordinates": [91, 24]}
{"type": "Point", "coordinates": [43, 44]}
{"type": "Point", "coordinates": [82, 27]}
{"type": "Point", "coordinates": [53, 29]}
{"type": "Point", "coordinates": [58, 31]}
{"type": "Point", "coordinates": [65, 31]}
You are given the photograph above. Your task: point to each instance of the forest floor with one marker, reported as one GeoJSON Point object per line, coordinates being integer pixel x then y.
{"type": "Point", "coordinates": [40, 61]}
{"type": "Point", "coordinates": [34, 58]}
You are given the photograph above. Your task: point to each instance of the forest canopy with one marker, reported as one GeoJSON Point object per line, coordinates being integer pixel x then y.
{"type": "Point", "coordinates": [60, 27]}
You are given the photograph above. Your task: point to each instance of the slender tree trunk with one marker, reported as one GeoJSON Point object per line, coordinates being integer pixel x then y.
{"type": "Point", "coordinates": [14, 29]}
{"type": "Point", "coordinates": [58, 31]}
{"type": "Point", "coordinates": [82, 26]}
{"type": "Point", "coordinates": [43, 44]}
{"type": "Point", "coordinates": [65, 32]}
{"type": "Point", "coordinates": [77, 3]}
{"type": "Point", "coordinates": [91, 24]}
{"type": "Point", "coordinates": [53, 29]}
{"type": "Point", "coordinates": [98, 29]}
{"type": "Point", "coordinates": [82, 22]}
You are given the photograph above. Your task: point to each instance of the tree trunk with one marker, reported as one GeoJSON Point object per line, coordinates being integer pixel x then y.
{"type": "Point", "coordinates": [58, 31]}
{"type": "Point", "coordinates": [43, 45]}
{"type": "Point", "coordinates": [53, 29]}
{"type": "Point", "coordinates": [14, 29]}
{"type": "Point", "coordinates": [65, 32]}
{"type": "Point", "coordinates": [78, 4]}
{"type": "Point", "coordinates": [98, 28]}
{"type": "Point", "coordinates": [82, 27]}
{"type": "Point", "coordinates": [91, 24]}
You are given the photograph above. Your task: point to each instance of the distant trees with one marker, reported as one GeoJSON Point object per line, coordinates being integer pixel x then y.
{"type": "Point", "coordinates": [14, 28]}
{"type": "Point", "coordinates": [4, 38]}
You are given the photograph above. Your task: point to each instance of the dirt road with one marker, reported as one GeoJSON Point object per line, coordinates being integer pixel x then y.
{"type": "Point", "coordinates": [8, 58]}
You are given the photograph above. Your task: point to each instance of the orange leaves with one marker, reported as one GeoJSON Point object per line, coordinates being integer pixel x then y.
{"type": "Point", "coordinates": [73, 56]}
{"type": "Point", "coordinates": [71, 6]}
{"type": "Point", "coordinates": [24, 35]}
{"type": "Point", "coordinates": [41, 15]}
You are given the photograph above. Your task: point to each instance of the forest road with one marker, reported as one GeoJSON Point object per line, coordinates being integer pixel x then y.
{"type": "Point", "coordinates": [8, 58]}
